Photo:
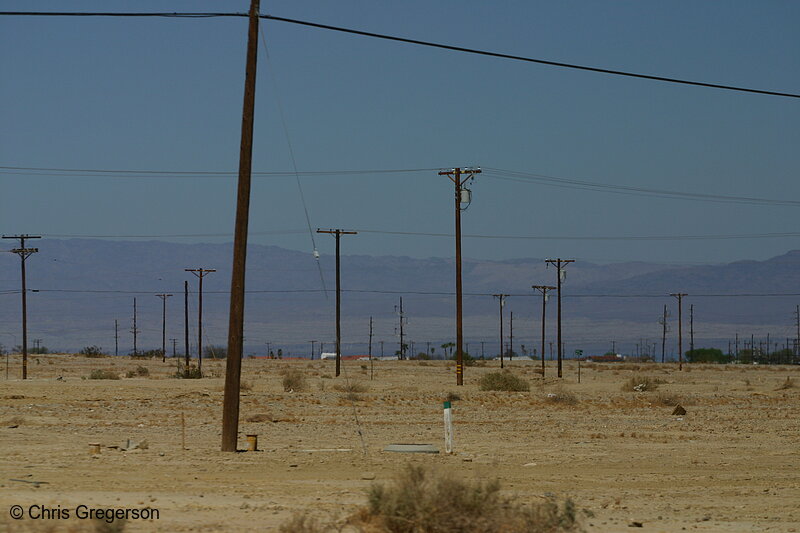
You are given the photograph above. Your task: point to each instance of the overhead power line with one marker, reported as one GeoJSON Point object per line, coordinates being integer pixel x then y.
{"type": "Point", "coordinates": [435, 293]}
{"type": "Point", "coordinates": [495, 173]}
{"type": "Point", "coordinates": [735, 236]}
{"type": "Point", "coordinates": [405, 40]}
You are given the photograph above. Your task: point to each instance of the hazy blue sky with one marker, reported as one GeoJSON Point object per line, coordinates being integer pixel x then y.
{"type": "Point", "coordinates": [166, 94]}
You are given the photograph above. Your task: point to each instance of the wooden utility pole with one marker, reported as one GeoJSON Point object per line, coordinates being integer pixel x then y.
{"type": "Point", "coordinates": [371, 362]}
{"type": "Point", "coordinates": [462, 195]}
{"type": "Point", "coordinates": [135, 330]}
{"type": "Point", "coordinates": [502, 299]}
{"type": "Point", "coordinates": [691, 329]}
{"type": "Point", "coordinates": [338, 234]}
{"type": "Point", "coordinates": [679, 296]}
{"type": "Point", "coordinates": [544, 290]}
{"type": "Point", "coordinates": [200, 273]}
{"type": "Point", "coordinates": [511, 336]}
{"type": "Point", "coordinates": [312, 348]}
{"type": "Point", "coordinates": [24, 254]}
{"type": "Point", "coordinates": [116, 337]}
{"type": "Point", "coordinates": [233, 366]}
{"type": "Point", "coordinates": [186, 324]}
{"type": "Point", "coordinates": [163, 297]}
{"type": "Point", "coordinates": [174, 348]}
{"type": "Point", "coordinates": [663, 322]}
{"type": "Point", "coordinates": [560, 264]}
{"type": "Point", "coordinates": [402, 319]}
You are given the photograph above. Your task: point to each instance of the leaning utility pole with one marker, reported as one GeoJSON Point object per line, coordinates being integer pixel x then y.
{"type": "Point", "coordinates": [200, 273]}
{"type": "Point", "coordinates": [163, 297]}
{"type": "Point", "coordinates": [338, 234]}
{"type": "Point", "coordinates": [233, 365]}
{"type": "Point", "coordinates": [543, 289]}
{"type": "Point", "coordinates": [560, 265]}
{"type": "Point", "coordinates": [462, 195]}
{"type": "Point", "coordinates": [679, 296]}
{"type": "Point", "coordinates": [23, 254]}
{"type": "Point", "coordinates": [501, 298]}
{"type": "Point", "coordinates": [135, 330]}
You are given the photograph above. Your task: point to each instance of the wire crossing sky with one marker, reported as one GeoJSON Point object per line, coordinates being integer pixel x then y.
{"type": "Point", "coordinates": [654, 170]}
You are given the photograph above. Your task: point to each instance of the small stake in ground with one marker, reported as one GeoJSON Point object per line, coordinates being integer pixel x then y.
{"type": "Point", "coordinates": [448, 428]}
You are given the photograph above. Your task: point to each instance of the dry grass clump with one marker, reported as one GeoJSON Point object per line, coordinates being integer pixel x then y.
{"type": "Point", "coordinates": [503, 381]}
{"type": "Point", "coordinates": [666, 399]}
{"type": "Point", "coordinates": [788, 384]}
{"type": "Point", "coordinates": [561, 396]}
{"type": "Point", "coordinates": [99, 373]}
{"type": "Point", "coordinates": [141, 371]}
{"type": "Point", "coordinates": [421, 501]}
{"type": "Point", "coordinates": [245, 386]}
{"type": "Point", "coordinates": [352, 387]}
{"type": "Point", "coordinates": [452, 397]}
{"type": "Point", "coordinates": [294, 381]}
{"type": "Point", "coordinates": [13, 421]}
{"type": "Point", "coordinates": [641, 384]}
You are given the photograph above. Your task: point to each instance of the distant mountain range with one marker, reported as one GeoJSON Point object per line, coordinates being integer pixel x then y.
{"type": "Point", "coordinates": [85, 285]}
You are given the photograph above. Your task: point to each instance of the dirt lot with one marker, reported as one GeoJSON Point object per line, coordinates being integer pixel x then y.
{"type": "Point", "coordinates": [730, 464]}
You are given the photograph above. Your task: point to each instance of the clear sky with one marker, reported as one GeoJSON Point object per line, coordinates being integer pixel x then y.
{"type": "Point", "coordinates": [166, 95]}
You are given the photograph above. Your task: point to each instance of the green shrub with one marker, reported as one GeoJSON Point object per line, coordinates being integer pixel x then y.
{"type": "Point", "coordinates": [103, 374]}
{"type": "Point", "coordinates": [503, 381]}
{"type": "Point", "coordinates": [92, 351]}
{"type": "Point", "coordinates": [188, 373]}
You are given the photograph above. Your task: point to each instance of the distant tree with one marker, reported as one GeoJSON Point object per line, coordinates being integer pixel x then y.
{"type": "Point", "coordinates": [707, 355]}
{"type": "Point", "coordinates": [448, 348]}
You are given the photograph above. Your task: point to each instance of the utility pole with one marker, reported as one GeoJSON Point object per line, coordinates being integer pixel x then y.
{"type": "Point", "coordinates": [174, 348]}
{"type": "Point", "coordinates": [797, 322]}
{"type": "Point", "coordinates": [186, 323]}
{"type": "Point", "coordinates": [482, 352]}
{"type": "Point", "coordinates": [691, 329]}
{"type": "Point", "coordinates": [462, 196]}
{"type": "Point", "coordinates": [371, 361]}
{"type": "Point", "coordinates": [135, 330]}
{"type": "Point", "coordinates": [233, 366]}
{"type": "Point", "coordinates": [544, 290]}
{"type": "Point", "coordinates": [502, 299]}
{"type": "Point", "coordinates": [402, 318]}
{"type": "Point", "coordinates": [679, 296]}
{"type": "Point", "coordinates": [736, 346]}
{"type": "Point", "coordinates": [560, 265]}
{"type": "Point", "coordinates": [163, 297]}
{"type": "Point", "coordinates": [511, 337]}
{"type": "Point", "coordinates": [24, 254]}
{"type": "Point", "coordinates": [201, 273]}
{"type": "Point", "coordinates": [312, 348]}
{"type": "Point", "coordinates": [663, 322]}
{"type": "Point", "coordinates": [338, 234]}
{"type": "Point", "coordinates": [116, 337]}
{"type": "Point", "coordinates": [381, 348]}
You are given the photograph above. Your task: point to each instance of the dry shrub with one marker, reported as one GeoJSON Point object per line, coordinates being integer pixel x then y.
{"type": "Point", "coordinates": [788, 384]}
{"type": "Point", "coordinates": [452, 397]}
{"type": "Point", "coordinates": [562, 397]}
{"type": "Point", "coordinates": [140, 371]}
{"type": "Point", "coordinates": [245, 386]}
{"type": "Point", "coordinates": [99, 373]}
{"type": "Point", "coordinates": [351, 387]}
{"type": "Point", "coordinates": [294, 381]}
{"type": "Point", "coordinates": [13, 421]}
{"type": "Point", "coordinates": [641, 384]}
{"type": "Point", "coordinates": [421, 501]}
{"type": "Point", "coordinates": [304, 523]}
{"type": "Point", "coordinates": [666, 399]}
{"type": "Point", "coordinates": [503, 381]}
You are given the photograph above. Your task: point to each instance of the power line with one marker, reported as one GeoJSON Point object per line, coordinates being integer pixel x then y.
{"type": "Point", "coordinates": [530, 59]}
{"type": "Point", "coordinates": [572, 183]}
{"type": "Point", "coordinates": [430, 44]}
{"type": "Point", "coordinates": [114, 173]}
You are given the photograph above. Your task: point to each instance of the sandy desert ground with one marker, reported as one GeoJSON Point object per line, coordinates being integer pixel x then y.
{"type": "Point", "coordinates": [732, 463]}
